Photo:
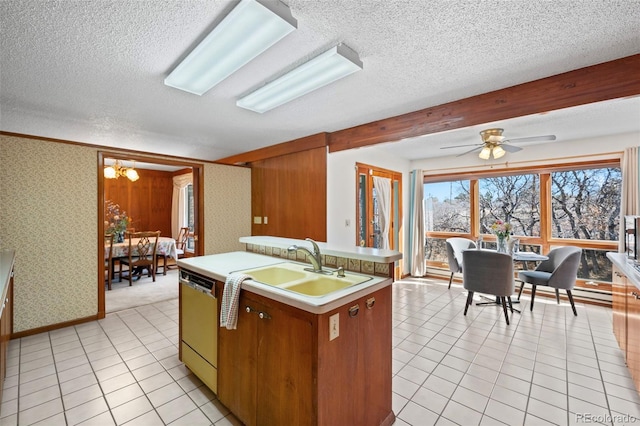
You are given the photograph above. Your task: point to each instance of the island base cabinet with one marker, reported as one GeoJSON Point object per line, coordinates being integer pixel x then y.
{"type": "Point", "coordinates": [281, 365]}
{"type": "Point", "coordinates": [354, 369]}
{"type": "Point", "coordinates": [265, 374]}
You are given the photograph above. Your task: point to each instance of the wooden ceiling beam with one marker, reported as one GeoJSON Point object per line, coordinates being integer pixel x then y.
{"type": "Point", "coordinates": [609, 80]}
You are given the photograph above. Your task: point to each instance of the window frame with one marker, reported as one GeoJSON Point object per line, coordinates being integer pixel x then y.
{"type": "Point", "coordinates": [545, 240]}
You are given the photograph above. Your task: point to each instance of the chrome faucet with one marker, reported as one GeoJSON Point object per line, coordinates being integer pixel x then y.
{"type": "Point", "coordinates": [315, 258]}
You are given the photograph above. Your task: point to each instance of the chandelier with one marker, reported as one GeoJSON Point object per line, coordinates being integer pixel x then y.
{"type": "Point", "coordinates": [115, 171]}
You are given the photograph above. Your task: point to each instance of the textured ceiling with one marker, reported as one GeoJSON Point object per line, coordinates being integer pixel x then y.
{"type": "Point", "coordinates": [93, 71]}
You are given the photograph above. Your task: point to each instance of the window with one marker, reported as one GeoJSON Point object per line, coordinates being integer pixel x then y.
{"type": "Point", "coordinates": [189, 216]}
{"type": "Point", "coordinates": [585, 204]}
{"type": "Point", "coordinates": [514, 199]}
{"type": "Point", "coordinates": [561, 205]}
{"type": "Point", "coordinates": [447, 206]}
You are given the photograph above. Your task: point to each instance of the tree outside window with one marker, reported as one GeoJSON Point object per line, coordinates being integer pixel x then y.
{"type": "Point", "coordinates": [582, 205]}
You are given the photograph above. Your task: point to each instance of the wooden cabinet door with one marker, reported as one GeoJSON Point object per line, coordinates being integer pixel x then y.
{"type": "Point", "coordinates": [633, 335]}
{"type": "Point", "coordinates": [285, 368]}
{"type": "Point", "coordinates": [619, 305]}
{"type": "Point", "coordinates": [6, 327]}
{"type": "Point", "coordinates": [374, 350]}
{"type": "Point", "coordinates": [237, 364]}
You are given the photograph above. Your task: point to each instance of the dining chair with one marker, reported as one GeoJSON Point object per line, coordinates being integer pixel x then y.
{"type": "Point", "coordinates": [181, 246]}
{"type": "Point", "coordinates": [559, 272]}
{"type": "Point", "coordinates": [108, 258]}
{"type": "Point", "coordinates": [488, 272]}
{"type": "Point", "coordinates": [142, 254]}
{"type": "Point", "coordinates": [455, 246]}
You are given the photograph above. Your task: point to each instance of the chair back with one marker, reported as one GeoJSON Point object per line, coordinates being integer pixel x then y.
{"type": "Point", "coordinates": [455, 246]}
{"type": "Point", "coordinates": [181, 241]}
{"type": "Point", "coordinates": [488, 272]}
{"type": "Point", "coordinates": [563, 264]}
{"type": "Point", "coordinates": [142, 251]}
{"type": "Point", "coordinates": [108, 248]}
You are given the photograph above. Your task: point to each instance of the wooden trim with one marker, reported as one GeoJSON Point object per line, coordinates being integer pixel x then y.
{"type": "Point", "coordinates": [546, 221]}
{"type": "Point", "coordinates": [100, 238]}
{"type": "Point", "coordinates": [52, 327]}
{"type": "Point", "coordinates": [509, 171]}
{"type": "Point", "coordinates": [595, 83]}
{"type": "Point", "coordinates": [125, 154]}
{"type": "Point", "coordinates": [198, 191]}
{"type": "Point", "coordinates": [318, 140]}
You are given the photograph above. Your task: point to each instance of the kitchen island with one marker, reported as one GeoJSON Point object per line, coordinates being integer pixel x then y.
{"type": "Point", "coordinates": [299, 359]}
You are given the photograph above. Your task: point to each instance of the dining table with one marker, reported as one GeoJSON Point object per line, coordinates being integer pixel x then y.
{"type": "Point", "coordinates": [166, 248]}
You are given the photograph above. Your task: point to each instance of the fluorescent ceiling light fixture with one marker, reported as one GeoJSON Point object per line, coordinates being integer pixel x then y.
{"type": "Point", "coordinates": [332, 65]}
{"type": "Point", "coordinates": [247, 31]}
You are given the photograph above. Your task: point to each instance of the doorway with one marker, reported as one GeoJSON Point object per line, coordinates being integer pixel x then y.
{"type": "Point", "coordinates": [150, 207]}
{"type": "Point", "coordinates": [379, 208]}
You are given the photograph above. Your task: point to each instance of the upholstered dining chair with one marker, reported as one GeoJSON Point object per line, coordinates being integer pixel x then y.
{"type": "Point", "coordinates": [559, 272]}
{"type": "Point", "coordinates": [488, 272]}
{"type": "Point", "coordinates": [142, 254]}
{"type": "Point", "coordinates": [108, 258]}
{"type": "Point", "coordinates": [455, 246]}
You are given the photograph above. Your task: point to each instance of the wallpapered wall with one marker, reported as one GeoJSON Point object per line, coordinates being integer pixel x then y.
{"type": "Point", "coordinates": [227, 213]}
{"type": "Point", "coordinates": [48, 214]}
{"type": "Point", "coordinates": [48, 199]}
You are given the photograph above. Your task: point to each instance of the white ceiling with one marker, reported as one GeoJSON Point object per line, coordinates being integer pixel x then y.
{"type": "Point", "coordinates": [93, 71]}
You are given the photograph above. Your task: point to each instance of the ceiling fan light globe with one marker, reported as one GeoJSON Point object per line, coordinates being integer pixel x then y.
{"type": "Point", "coordinates": [485, 153]}
{"type": "Point", "coordinates": [498, 152]}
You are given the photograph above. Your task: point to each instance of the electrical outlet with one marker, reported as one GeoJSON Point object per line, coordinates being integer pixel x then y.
{"type": "Point", "coordinates": [334, 326]}
{"type": "Point", "coordinates": [264, 220]}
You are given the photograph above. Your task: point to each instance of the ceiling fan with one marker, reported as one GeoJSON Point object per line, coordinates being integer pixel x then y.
{"type": "Point", "coordinates": [494, 143]}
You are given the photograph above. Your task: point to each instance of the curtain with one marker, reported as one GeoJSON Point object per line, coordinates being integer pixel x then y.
{"type": "Point", "coordinates": [416, 254]}
{"type": "Point", "coordinates": [383, 196]}
{"type": "Point", "coordinates": [630, 201]}
{"type": "Point", "coordinates": [177, 202]}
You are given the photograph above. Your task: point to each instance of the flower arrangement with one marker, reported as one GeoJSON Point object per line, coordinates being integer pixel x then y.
{"type": "Point", "coordinates": [116, 222]}
{"type": "Point", "coordinates": [501, 229]}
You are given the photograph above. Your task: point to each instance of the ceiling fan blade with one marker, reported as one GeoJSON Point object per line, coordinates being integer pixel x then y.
{"type": "Point", "coordinates": [531, 139]}
{"type": "Point", "coordinates": [510, 148]}
{"type": "Point", "coordinates": [460, 146]}
{"type": "Point", "coordinates": [471, 150]}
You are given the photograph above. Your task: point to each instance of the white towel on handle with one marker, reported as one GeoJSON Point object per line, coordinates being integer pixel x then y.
{"type": "Point", "coordinates": [230, 296]}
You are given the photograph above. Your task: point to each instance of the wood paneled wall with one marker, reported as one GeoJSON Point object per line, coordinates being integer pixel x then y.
{"type": "Point", "coordinates": [146, 201]}
{"type": "Point", "coordinates": [291, 192]}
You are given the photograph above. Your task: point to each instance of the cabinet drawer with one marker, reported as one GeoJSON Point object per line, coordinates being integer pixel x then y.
{"type": "Point", "coordinates": [201, 368]}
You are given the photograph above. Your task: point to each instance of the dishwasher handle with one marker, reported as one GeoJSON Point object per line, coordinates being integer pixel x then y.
{"type": "Point", "coordinates": [203, 290]}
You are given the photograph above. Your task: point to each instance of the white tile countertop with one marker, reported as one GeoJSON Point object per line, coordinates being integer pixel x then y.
{"type": "Point", "coordinates": [219, 266]}
{"type": "Point", "coordinates": [626, 267]}
{"type": "Point", "coordinates": [353, 252]}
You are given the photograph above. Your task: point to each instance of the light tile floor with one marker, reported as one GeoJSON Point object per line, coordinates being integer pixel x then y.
{"type": "Point", "coordinates": [547, 367]}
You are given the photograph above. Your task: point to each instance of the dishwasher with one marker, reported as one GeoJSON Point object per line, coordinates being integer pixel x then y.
{"type": "Point", "coordinates": [199, 326]}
